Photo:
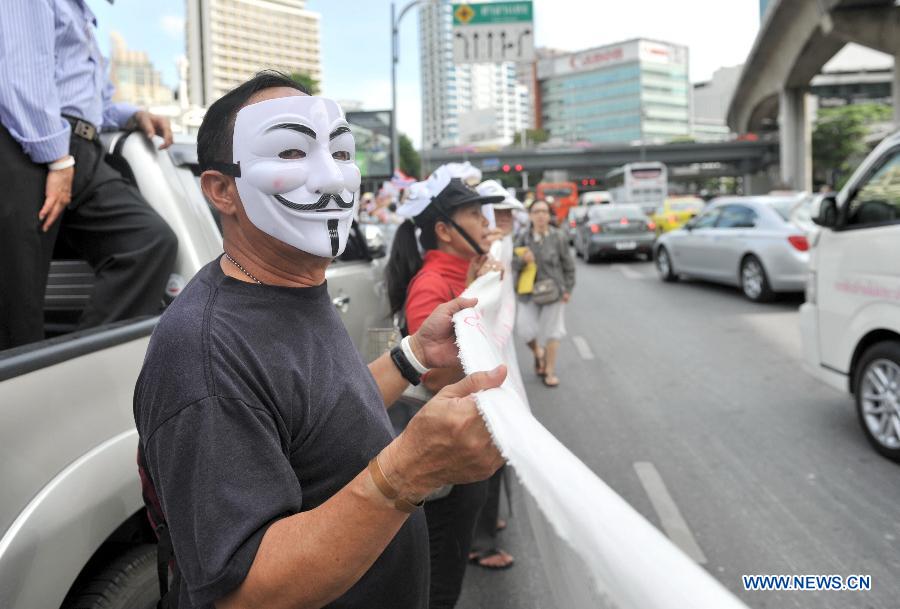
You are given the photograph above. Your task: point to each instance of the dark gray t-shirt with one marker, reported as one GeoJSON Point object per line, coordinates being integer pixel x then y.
{"type": "Point", "coordinates": [253, 404]}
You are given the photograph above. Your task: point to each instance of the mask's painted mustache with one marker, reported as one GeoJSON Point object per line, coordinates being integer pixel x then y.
{"type": "Point", "coordinates": [319, 205]}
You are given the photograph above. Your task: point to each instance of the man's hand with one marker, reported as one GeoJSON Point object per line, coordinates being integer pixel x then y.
{"type": "Point", "coordinates": [57, 194]}
{"type": "Point", "coordinates": [153, 124]}
{"type": "Point", "coordinates": [435, 342]}
{"type": "Point", "coordinates": [566, 296]}
{"type": "Point", "coordinates": [446, 442]}
{"type": "Point", "coordinates": [528, 256]}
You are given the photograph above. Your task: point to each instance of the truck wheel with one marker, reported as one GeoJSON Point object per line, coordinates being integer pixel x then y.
{"type": "Point", "coordinates": [877, 390]}
{"type": "Point", "coordinates": [128, 582]}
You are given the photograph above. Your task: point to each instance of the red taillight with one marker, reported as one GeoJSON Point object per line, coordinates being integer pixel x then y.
{"type": "Point", "coordinates": [572, 223]}
{"type": "Point", "coordinates": [799, 242]}
{"type": "Point", "coordinates": [651, 225]}
{"type": "Point", "coordinates": [595, 228]}
{"type": "Point", "coordinates": [624, 221]}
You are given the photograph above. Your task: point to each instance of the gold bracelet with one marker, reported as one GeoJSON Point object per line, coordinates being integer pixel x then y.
{"type": "Point", "coordinates": [381, 482]}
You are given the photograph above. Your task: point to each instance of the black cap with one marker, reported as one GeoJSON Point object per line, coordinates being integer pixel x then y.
{"type": "Point", "coordinates": [457, 193]}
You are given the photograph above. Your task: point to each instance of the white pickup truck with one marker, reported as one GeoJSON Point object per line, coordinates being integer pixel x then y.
{"type": "Point", "coordinates": [73, 532]}
{"type": "Point", "coordinates": [851, 319]}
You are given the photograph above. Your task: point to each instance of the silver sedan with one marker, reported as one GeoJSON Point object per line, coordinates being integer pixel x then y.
{"type": "Point", "coordinates": [748, 242]}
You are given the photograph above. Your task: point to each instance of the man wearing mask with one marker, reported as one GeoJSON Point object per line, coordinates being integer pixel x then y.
{"type": "Point", "coordinates": [264, 434]}
{"type": "Point", "coordinates": [54, 99]}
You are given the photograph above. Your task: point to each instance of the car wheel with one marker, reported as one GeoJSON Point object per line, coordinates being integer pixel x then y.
{"type": "Point", "coordinates": [664, 265]}
{"type": "Point", "coordinates": [877, 390]}
{"type": "Point", "coordinates": [754, 283]}
{"type": "Point", "coordinates": [128, 582]}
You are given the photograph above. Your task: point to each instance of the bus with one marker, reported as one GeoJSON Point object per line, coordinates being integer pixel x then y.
{"type": "Point", "coordinates": [565, 195]}
{"type": "Point", "coordinates": [644, 184]}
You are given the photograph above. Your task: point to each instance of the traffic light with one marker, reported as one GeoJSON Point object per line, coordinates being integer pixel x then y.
{"type": "Point", "coordinates": [519, 167]}
{"type": "Point", "coordinates": [505, 168]}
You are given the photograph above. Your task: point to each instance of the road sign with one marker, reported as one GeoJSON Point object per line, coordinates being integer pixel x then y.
{"type": "Point", "coordinates": [491, 32]}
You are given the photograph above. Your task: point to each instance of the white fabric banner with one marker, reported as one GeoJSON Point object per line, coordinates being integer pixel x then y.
{"type": "Point", "coordinates": [596, 549]}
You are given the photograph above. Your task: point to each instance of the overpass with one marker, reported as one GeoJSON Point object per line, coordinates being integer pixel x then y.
{"type": "Point", "coordinates": [797, 38]}
{"type": "Point", "coordinates": [747, 159]}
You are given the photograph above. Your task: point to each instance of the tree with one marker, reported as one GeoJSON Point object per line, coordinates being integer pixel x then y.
{"type": "Point", "coordinates": [839, 137]}
{"type": "Point", "coordinates": [410, 162]}
{"type": "Point", "coordinates": [533, 136]}
{"type": "Point", "coordinates": [302, 78]}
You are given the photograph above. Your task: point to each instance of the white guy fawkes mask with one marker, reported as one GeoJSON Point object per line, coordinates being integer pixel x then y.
{"type": "Point", "coordinates": [298, 178]}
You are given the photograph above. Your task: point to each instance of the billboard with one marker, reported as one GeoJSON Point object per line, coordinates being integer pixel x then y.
{"type": "Point", "coordinates": [372, 132]}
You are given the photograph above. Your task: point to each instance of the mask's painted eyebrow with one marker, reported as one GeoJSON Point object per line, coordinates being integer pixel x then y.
{"type": "Point", "coordinates": [338, 131]}
{"type": "Point", "coordinates": [294, 127]}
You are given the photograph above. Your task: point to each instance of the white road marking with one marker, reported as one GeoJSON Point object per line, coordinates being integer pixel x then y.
{"type": "Point", "coordinates": [630, 273]}
{"type": "Point", "coordinates": [670, 517]}
{"type": "Point", "coordinates": [583, 348]}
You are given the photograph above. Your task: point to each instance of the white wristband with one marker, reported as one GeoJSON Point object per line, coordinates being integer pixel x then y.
{"type": "Point", "coordinates": [65, 163]}
{"type": "Point", "coordinates": [411, 357]}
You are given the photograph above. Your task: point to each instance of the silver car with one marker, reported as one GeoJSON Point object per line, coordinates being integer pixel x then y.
{"type": "Point", "coordinates": [749, 242]}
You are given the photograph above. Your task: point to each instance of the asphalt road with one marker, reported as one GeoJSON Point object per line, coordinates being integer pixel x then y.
{"type": "Point", "coordinates": [768, 467]}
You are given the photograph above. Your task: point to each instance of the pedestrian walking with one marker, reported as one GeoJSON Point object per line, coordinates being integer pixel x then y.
{"type": "Point", "coordinates": [542, 253]}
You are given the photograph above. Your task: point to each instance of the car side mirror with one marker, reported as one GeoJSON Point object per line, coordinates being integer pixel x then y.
{"type": "Point", "coordinates": [828, 212]}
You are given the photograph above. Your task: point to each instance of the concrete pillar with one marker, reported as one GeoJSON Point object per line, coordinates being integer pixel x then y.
{"type": "Point", "coordinates": [796, 139]}
{"type": "Point", "coordinates": [896, 90]}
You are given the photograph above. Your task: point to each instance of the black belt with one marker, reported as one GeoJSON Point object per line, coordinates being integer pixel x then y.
{"type": "Point", "coordinates": [83, 129]}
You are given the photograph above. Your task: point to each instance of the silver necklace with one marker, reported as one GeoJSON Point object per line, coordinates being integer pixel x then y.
{"type": "Point", "coordinates": [242, 269]}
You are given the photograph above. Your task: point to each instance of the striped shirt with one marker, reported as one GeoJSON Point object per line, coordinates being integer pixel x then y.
{"type": "Point", "coordinates": [50, 66]}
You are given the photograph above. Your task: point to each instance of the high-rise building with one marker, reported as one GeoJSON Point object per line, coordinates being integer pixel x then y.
{"type": "Point", "coordinates": [133, 76]}
{"type": "Point", "coordinates": [465, 104]}
{"type": "Point", "coordinates": [230, 40]}
{"type": "Point", "coordinates": [634, 90]}
{"type": "Point", "coordinates": [710, 104]}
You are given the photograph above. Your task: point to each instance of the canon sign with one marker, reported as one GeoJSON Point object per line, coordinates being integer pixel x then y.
{"type": "Point", "coordinates": [595, 59]}
{"type": "Point", "coordinates": [603, 57]}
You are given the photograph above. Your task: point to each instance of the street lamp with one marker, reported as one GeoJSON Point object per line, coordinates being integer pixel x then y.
{"type": "Point", "coordinates": [395, 50]}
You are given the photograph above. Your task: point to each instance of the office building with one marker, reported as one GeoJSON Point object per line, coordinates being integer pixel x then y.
{"type": "Point", "coordinates": [135, 79]}
{"type": "Point", "coordinates": [476, 104]}
{"type": "Point", "coordinates": [631, 91]}
{"type": "Point", "coordinates": [229, 41]}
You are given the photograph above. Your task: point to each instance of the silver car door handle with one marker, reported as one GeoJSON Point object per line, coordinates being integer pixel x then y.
{"type": "Point", "coordinates": [341, 303]}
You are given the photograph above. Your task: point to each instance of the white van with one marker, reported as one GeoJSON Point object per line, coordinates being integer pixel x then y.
{"type": "Point", "coordinates": [851, 320]}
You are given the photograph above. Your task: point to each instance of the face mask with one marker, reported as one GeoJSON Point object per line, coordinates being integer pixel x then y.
{"type": "Point", "coordinates": [296, 172]}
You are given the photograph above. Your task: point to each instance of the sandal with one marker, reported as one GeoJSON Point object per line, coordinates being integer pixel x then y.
{"type": "Point", "coordinates": [551, 380]}
{"type": "Point", "coordinates": [539, 365]}
{"type": "Point", "coordinates": [491, 556]}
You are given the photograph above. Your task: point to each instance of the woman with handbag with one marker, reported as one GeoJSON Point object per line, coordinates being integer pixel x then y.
{"type": "Point", "coordinates": [447, 224]}
{"type": "Point", "coordinates": [540, 313]}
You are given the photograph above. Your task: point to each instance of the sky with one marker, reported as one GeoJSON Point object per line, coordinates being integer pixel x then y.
{"type": "Point", "coordinates": [356, 45]}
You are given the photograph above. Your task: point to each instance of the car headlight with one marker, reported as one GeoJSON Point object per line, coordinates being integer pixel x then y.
{"type": "Point", "coordinates": [811, 292]}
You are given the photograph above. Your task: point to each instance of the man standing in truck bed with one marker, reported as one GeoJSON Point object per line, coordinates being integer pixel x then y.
{"type": "Point", "coordinates": [54, 98]}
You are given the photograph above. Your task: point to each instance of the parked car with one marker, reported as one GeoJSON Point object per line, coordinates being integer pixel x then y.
{"type": "Point", "coordinates": [614, 231]}
{"type": "Point", "coordinates": [850, 322]}
{"type": "Point", "coordinates": [676, 212]}
{"type": "Point", "coordinates": [595, 197]}
{"type": "Point", "coordinates": [576, 215]}
{"type": "Point", "coordinates": [73, 531]}
{"type": "Point", "coordinates": [748, 242]}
